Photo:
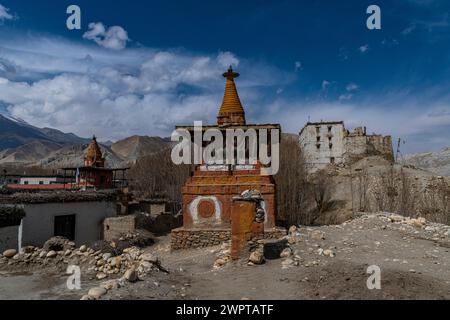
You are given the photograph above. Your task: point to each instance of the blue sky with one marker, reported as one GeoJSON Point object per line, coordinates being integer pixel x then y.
{"type": "Point", "coordinates": [146, 66]}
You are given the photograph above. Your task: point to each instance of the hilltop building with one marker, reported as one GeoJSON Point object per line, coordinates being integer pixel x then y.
{"type": "Point", "coordinates": [330, 143]}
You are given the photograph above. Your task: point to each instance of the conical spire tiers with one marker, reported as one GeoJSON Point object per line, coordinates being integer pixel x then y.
{"type": "Point", "coordinates": [231, 112]}
{"type": "Point", "coordinates": [94, 157]}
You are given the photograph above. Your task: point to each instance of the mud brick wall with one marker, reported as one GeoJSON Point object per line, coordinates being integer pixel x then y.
{"type": "Point", "coordinates": [196, 238]}
{"type": "Point", "coordinates": [115, 227]}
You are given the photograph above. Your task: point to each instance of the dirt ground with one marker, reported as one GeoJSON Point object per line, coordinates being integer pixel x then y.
{"type": "Point", "coordinates": [414, 263]}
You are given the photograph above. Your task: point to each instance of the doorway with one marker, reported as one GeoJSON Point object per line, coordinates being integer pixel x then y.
{"type": "Point", "coordinates": [65, 226]}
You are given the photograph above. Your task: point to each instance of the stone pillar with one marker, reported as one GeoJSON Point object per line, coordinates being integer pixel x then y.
{"type": "Point", "coordinates": [243, 227]}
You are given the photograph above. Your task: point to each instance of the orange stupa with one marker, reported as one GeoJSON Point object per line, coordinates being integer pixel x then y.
{"type": "Point", "coordinates": [231, 112]}
{"type": "Point", "coordinates": [94, 157]}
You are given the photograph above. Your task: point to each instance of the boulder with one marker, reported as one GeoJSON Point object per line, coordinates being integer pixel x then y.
{"type": "Point", "coordinates": [106, 256]}
{"type": "Point", "coordinates": [131, 275]}
{"type": "Point", "coordinates": [329, 253]}
{"type": "Point", "coordinates": [56, 244]}
{"type": "Point", "coordinates": [292, 230]}
{"type": "Point", "coordinates": [101, 276]}
{"type": "Point", "coordinates": [51, 254]}
{"type": "Point", "coordinates": [97, 292]}
{"type": "Point", "coordinates": [257, 257]}
{"type": "Point", "coordinates": [149, 258]}
{"type": "Point", "coordinates": [10, 253]}
{"type": "Point", "coordinates": [110, 285]}
{"type": "Point", "coordinates": [83, 248]}
{"type": "Point", "coordinates": [286, 253]}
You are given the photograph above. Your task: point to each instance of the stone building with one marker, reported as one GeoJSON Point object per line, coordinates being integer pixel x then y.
{"type": "Point", "coordinates": [208, 193]}
{"type": "Point", "coordinates": [330, 143]}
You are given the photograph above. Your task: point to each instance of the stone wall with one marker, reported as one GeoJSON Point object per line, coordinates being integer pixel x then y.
{"type": "Point", "coordinates": [359, 147]}
{"type": "Point", "coordinates": [197, 238]}
{"type": "Point", "coordinates": [115, 227]}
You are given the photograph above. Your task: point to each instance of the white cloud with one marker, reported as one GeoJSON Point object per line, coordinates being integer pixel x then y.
{"type": "Point", "coordinates": [298, 66]}
{"type": "Point", "coordinates": [226, 59]}
{"type": "Point", "coordinates": [4, 14]}
{"type": "Point", "coordinates": [352, 87]}
{"type": "Point", "coordinates": [364, 48]}
{"type": "Point", "coordinates": [325, 84]}
{"type": "Point", "coordinates": [346, 96]}
{"type": "Point", "coordinates": [50, 82]}
{"type": "Point", "coordinates": [115, 37]}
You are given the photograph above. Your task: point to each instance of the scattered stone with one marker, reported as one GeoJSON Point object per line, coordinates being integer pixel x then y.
{"type": "Point", "coordinates": [68, 252]}
{"type": "Point", "coordinates": [317, 235]}
{"type": "Point", "coordinates": [149, 258]}
{"type": "Point", "coordinates": [115, 262]}
{"type": "Point", "coordinates": [286, 253]}
{"type": "Point", "coordinates": [106, 256]}
{"type": "Point", "coordinates": [101, 276]}
{"type": "Point", "coordinates": [56, 244]}
{"type": "Point", "coordinates": [111, 285]}
{"type": "Point", "coordinates": [329, 253]}
{"type": "Point", "coordinates": [27, 250]}
{"type": "Point", "coordinates": [86, 298]}
{"type": "Point", "coordinates": [51, 254]}
{"type": "Point", "coordinates": [131, 275]}
{"type": "Point", "coordinates": [83, 248]}
{"type": "Point", "coordinates": [292, 230]}
{"type": "Point", "coordinates": [257, 257]}
{"type": "Point", "coordinates": [219, 263]}
{"type": "Point", "coordinates": [10, 253]}
{"type": "Point", "coordinates": [97, 292]}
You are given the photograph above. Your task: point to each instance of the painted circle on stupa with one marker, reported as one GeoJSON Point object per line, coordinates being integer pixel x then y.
{"type": "Point", "coordinates": [206, 209]}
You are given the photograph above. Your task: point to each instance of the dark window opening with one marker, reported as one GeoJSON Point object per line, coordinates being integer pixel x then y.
{"type": "Point", "coordinates": [41, 182]}
{"type": "Point", "coordinates": [26, 182]}
{"type": "Point", "coordinates": [318, 146]}
{"type": "Point", "coordinates": [331, 146]}
{"type": "Point", "coordinates": [318, 139]}
{"type": "Point", "coordinates": [329, 129]}
{"type": "Point", "coordinates": [65, 227]}
{"type": "Point", "coordinates": [332, 160]}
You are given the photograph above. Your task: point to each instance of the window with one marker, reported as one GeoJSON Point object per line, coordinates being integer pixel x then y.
{"type": "Point", "coordinates": [332, 160]}
{"type": "Point", "coordinates": [331, 146]}
{"type": "Point", "coordinates": [26, 183]}
{"type": "Point", "coordinates": [41, 182]}
{"type": "Point", "coordinates": [318, 130]}
{"type": "Point", "coordinates": [318, 146]}
{"type": "Point", "coordinates": [329, 129]}
{"type": "Point", "coordinates": [318, 139]}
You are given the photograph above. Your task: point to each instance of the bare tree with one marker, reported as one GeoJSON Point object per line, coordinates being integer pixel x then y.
{"type": "Point", "coordinates": [157, 176]}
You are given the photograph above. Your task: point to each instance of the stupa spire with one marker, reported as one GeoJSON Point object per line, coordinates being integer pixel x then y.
{"type": "Point", "coordinates": [231, 112]}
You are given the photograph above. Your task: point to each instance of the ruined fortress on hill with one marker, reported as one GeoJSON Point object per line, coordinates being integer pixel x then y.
{"type": "Point", "coordinates": [325, 143]}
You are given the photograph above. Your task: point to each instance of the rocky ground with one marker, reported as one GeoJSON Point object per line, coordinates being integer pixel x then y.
{"type": "Point", "coordinates": [328, 262]}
